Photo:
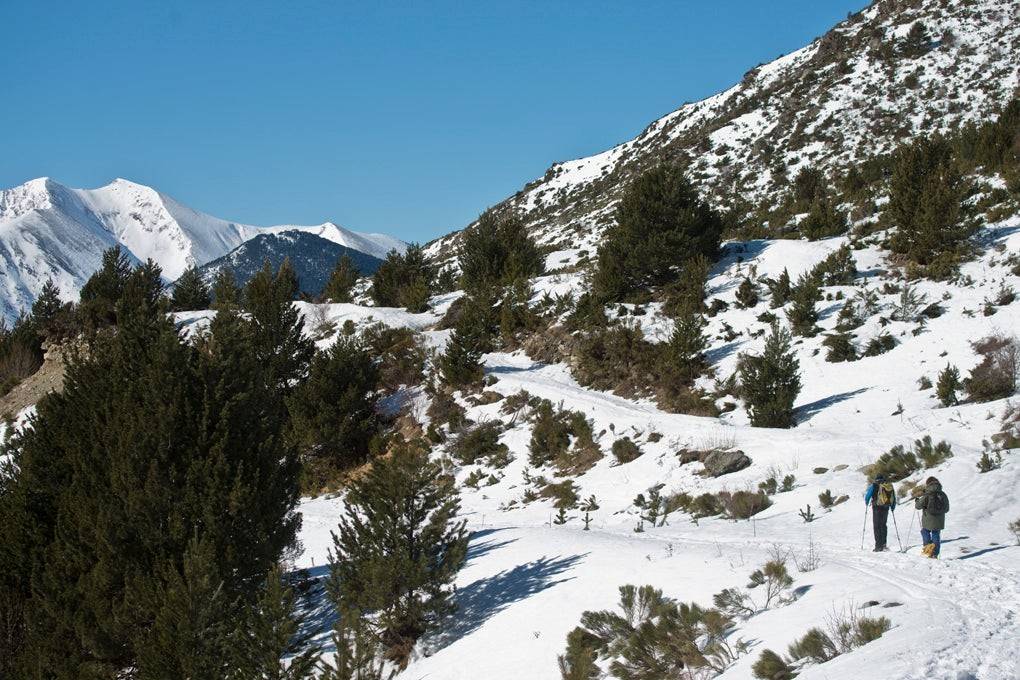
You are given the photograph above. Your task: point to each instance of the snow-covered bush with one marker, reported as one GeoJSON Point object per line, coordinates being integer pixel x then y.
{"type": "Point", "coordinates": [996, 376]}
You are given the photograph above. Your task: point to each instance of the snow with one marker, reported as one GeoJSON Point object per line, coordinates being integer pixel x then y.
{"type": "Point", "coordinates": [527, 580]}
{"type": "Point", "coordinates": [49, 230]}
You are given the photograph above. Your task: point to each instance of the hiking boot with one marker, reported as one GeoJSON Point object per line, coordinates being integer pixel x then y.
{"type": "Point", "coordinates": [878, 549]}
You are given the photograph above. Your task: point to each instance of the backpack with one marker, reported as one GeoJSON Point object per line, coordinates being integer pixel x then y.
{"type": "Point", "coordinates": [937, 504]}
{"type": "Point", "coordinates": [884, 494]}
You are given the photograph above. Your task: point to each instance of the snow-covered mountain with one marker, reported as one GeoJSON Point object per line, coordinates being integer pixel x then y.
{"type": "Point", "coordinates": [853, 93]}
{"type": "Point", "coordinates": [50, 230]}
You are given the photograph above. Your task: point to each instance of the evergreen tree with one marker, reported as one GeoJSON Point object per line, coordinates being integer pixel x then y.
{"type": "Point", "coordinates": [688, 292]}
{"type": "Point", "coordinates": [333, 412]}
{"type": "Point", "coordinates": [848, 318]}
{"type": "Point", "coordinates": [925, 193]}
{"type": "Point", "coordinates": [153, 445]}
{"type": "Point", "coordinates": [917, 41]}
{"type": "Point", "coordinates": [809, 186]}
{"type": "Point", "coordinates": [190, 292]}
{"type": "Point", "coordinates": [497, 250]}
{"type": "Point", "coordinates": [398, 550]}
{"type": "Point", "coordinates": [948, 385]}
{"type": "Point", "coordinates": [823, 221]}
{"type": "Point", "coordinates": [771, 381]}
{"type": "Point", "coordinates": [278, 340]}
{"type": "Point", "coordinates": [269, 633]}
{"type": "Point", "coordinates": [747, 294]}
{"type": "Point", "coordinates": [802, 314]}
{"type": "Point", "coordinates": [47, 306]}
{"type": "Point", "coordinates": [100, 294]}
{"type": "Point", "coordinates": [225, 291]}
{"type": "Point", "coordinates": [515, 313]}
{"type": "Point", "coordinates": [461, 362]}
{"type": "Point", "coordinates": [341, 281]}
{"type": "Point", "coordinates": [404, 279]}
{"type": "Point", "coordinates": [660, 223]}
{"type": "Point", "coordinates": [686, 346]}
{"type": "Point", "coordinates": [780, 289]}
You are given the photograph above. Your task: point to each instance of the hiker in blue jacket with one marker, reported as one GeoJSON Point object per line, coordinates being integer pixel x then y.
{"type": "Point", "coordinates": [882, 498]}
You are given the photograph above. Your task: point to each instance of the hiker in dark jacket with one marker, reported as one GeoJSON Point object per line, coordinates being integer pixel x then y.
{"type": "Point", "coordinates": [933, 504]}
{"type": "Point", "coordinates": [882, 498]}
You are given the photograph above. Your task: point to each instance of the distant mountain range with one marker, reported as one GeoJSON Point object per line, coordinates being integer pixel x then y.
{"type": "Point", "coordinates": [48, 230]}
{"type": "Point", "coordinates": [312, 256]}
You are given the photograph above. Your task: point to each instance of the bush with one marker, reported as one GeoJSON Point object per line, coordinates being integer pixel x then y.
{"type": "Point", "coordinates": [747, 294]}
{"type": "Point", "coordinates": [1014, 528]}
{"type": "Point", "coordinates": [399, 354]}
{"type": "Point", "coordinates": [705, 505]}
{"type": "Point", "coordinates": [564, 494]}
{"type": "Point", "coordinates": [898, 463]}
{"type": "Point", "coordinates": [480, 443]}
{"type": "Point", "coordinates": [996, 376]}
{"type": "Point", "coordinates": [948, 385]}
{"type": "Point", "coordinates": [551, 437]}
{"type": "Point", "coordinates": [814, 645]}
{"type": "Point", "coordinates": [880, 344]}
{"type": "Point", "coordinates": [743, 504]}
{"type": "Point", "coordinates": [625, 450]}
{"type": "Point", "coordinates": [841, 347]}
{"type": "Point", "coordinates": [771, 666]}
{"type": "Point", "coordinates": [802, 314]}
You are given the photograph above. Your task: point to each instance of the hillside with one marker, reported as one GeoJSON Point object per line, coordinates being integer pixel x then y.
{"type": "Point", "coordinates": [852, 94]}
{"type": "Point", "coordinates": [48, 230]}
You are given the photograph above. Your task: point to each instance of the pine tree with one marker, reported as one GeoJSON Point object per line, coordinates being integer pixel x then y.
{"type": "Point", "coordinates": [515, 313]}
{"type": "Point", "coordinates": [268, 643]}
{"type": "Point", "coordinates": [925, 193]}
{"type": "Point", "coordinates": [497, 250]}
{"type": "Point", "coordinates": [660, 223]}
{"type": "Point", "coordinates": [948, 386]}
{"type": "Point", "coordinates": [341, 281]}
{"type": "Point", "coordinates": [100, 294]}
{"type": "Point", "coordinates": [225, 291]}
{"type": "Point", "coordinates": [404, 279]}
{"type": "Point", "coordinates": [278, 342]}
{"type": "Point", "coordinates": [771, 381]}
{"type": "Point", "coordinates": [780, 290]}
{"type": "Point", "coordinates": [153, 444]}
{"type": "Point", "coordinates": [686, 346]}
{"type": "Point", "coordinates": [848, 318]}
{"type": "Point", "coordinates": [333, 412]}
{"type": "Point", "coordinates": [461, 362]}
{"type": "Point", "coordinates": [916, 42]}
{"type": "Point", "coordinates": [823, 221]}
{"type": "Point", "coordinates": [579, 661]}
{"type": "Point", "coordinates": [802, 314]}
{"type": "Point", "coordinates": [747, 294]}
{"type": "Point", "coordinates": [398, 550]}
{"type": "Point", "coordinates": [190, 292]}
{"type": "Point", "coordinates": [47, 306]}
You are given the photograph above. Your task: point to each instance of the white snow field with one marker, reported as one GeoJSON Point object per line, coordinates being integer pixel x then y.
{"type": "Point", "coordinates": [527, 579]}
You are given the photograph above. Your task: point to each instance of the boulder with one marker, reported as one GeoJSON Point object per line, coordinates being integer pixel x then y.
{"type": "Point", "coordinates": [718, 463]}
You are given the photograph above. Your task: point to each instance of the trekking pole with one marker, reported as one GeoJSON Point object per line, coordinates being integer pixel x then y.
{"type": "Point", "coordinates": [897, 530]}
{"type": "Point", "coordinates": [865, 527]}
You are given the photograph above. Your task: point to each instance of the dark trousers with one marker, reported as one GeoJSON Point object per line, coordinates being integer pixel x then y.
{"type": "Point", "coordinates": [932, 536]}
{"type": "Point", "coordinates": [880, 515]}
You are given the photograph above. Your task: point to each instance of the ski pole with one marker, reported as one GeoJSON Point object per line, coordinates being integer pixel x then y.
{"type": "Point", "coordinates": [897, 529]}
{"type": "Point", "coordinates": [865, 527]}
{"type": "Point", "coordinates": [911, 527]}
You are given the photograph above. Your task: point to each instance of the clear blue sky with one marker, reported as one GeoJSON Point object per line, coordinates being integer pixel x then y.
{"type": "Point", "coordinates": [407, 118]}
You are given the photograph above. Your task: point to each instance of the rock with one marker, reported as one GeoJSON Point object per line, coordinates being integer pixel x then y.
{"type": "Point", "coordinates": [820, 470]}
{"type": "Point", "coordinates": [718, 463]}
{"type": "Point", "coordinates": [841, 466]}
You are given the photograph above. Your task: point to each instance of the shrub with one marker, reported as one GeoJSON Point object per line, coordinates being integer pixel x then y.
{"type": "Point", "coordinates": [743, 504]}
{"type": "Point", "coordinates": [898, 463]}
{"type": "Point", "coordinates": [837, 269]}
{"type": "Point", "coordinates": [705, 505]}
{"type": "Point", "coordinates": [775, 580]}
{"type": "Point", "coordinates": [771, 666]}
{"type": "Point", "coordinates": [625, 450]}
{"type": "Point", "coordinates": [948, 385]}
{"type": "Point", "coordinates": [987, 462]}
{"type": "Point", "coordinates": [399, 354]}
{"type": "Point", "coordinates": [823, 221]}
{"type": "Point", "coordinates": [1014, 528]}
{"type": "Point", "coordinates": [551, 439]}
{"type": "Point", "coordinates": [996, 376]}
{"type": "Point", "coordinates": [880, 344]}
{"type": "Point", "coordinates": [780, 289]}
{"type": "Point", "coordinates": [868, 629]}
{"type": "Point", "coordinates": [480, 443]}
{"type": "Point", "coordinates": [747, 294]}
{"type": "Point", "coordinates": [841, 347]}
{"type": "Point", "coordinates": [930, 454]}
{"type": "Point", "coordinates": [802, 314]}
{"type": "Point", "coordinates": [564, 494]}
{"type": "Point", "coordinates": [814, 645]}
{"type": "Point", "coordinates": [444, 410]}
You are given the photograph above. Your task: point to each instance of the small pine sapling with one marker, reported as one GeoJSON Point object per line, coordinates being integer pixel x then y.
{"type": "Point", "coordinates": [588, 507]}
{"type": "Point", "coordinates": [806, 514]}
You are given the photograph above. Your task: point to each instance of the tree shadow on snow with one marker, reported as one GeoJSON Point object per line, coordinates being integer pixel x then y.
{"type": "Point", "coordinates": [807, 411]}
{"type": "Point", "coordinates": [480, 549]}
{"type": "Point", "coordinates": [481, 600]}
{"type": "Point", "coordinates": [979, 553]}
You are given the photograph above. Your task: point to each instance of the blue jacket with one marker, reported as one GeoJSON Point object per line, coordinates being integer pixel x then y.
{"type": "Point", "coordinates": [872, 491]}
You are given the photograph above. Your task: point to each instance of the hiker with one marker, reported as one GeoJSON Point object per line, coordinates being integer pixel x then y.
{"type": "Point", "coordinates": [882, 498]}
{"type": "Point", "coordinates": [933, 504]}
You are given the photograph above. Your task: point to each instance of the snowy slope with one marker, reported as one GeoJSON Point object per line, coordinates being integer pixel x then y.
{"type": "Point", "coordinates": [50, 230]}
{"type": "Point", "coordinates": [528, 580]}
{"type": "Point", "coordinates": [849, 95]}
